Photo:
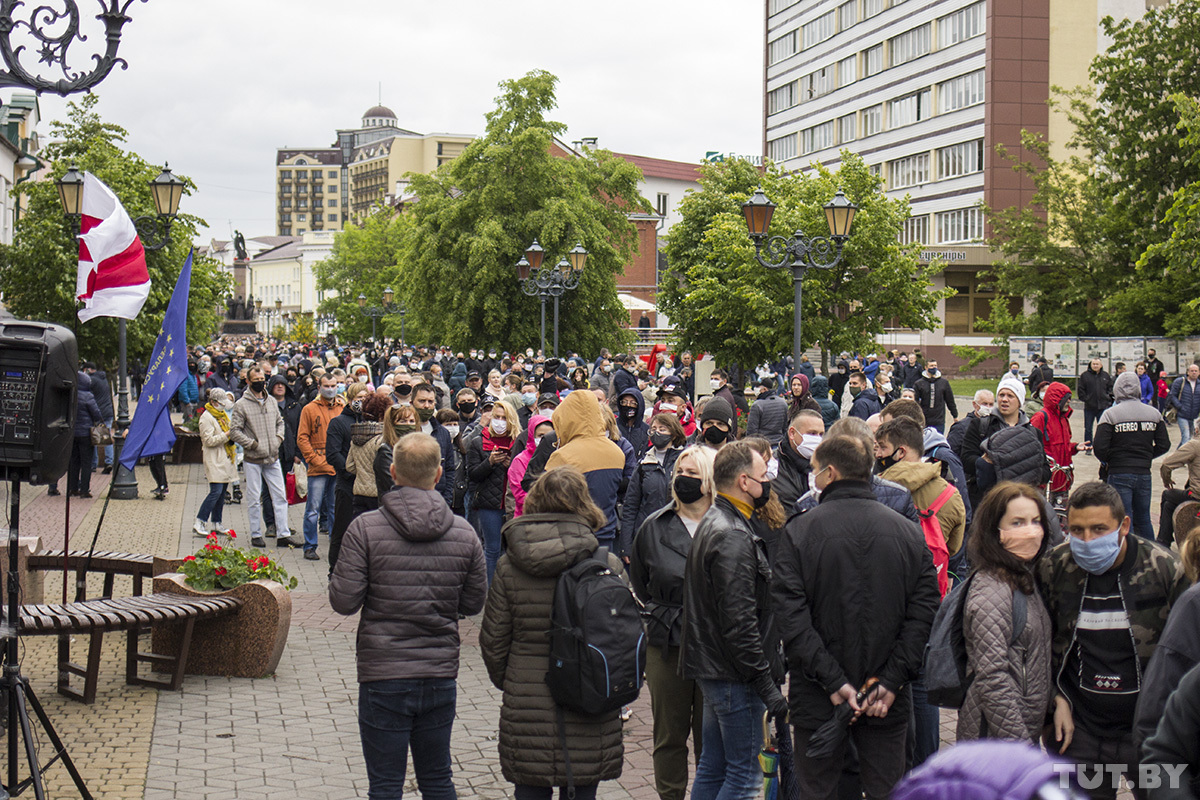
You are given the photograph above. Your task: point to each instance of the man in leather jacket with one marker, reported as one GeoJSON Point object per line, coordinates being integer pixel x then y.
{"type": "Point", "coordinates": [728, 643]}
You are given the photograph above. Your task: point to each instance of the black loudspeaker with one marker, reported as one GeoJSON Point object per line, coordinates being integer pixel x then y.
{"type": "Point", "coordinates": [38, 363]}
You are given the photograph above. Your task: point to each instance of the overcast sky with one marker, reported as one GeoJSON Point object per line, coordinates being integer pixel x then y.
{"type": "Point", "coordinates": [214, 87]}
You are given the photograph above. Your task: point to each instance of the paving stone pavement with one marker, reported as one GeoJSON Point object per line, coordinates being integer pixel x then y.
{"type": "Point", "coordinates": [293, 734]}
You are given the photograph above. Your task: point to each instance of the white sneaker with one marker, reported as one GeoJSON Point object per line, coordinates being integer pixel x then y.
{"type": "Point", "coordinates": [200, 528]}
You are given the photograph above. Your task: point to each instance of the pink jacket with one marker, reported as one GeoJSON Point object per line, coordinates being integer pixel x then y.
{"type": "Point", "coordinates": [516, 470]}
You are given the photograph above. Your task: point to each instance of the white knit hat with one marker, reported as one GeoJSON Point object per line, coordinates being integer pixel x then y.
{"type": "Point", "coordinates": [1013, 384]}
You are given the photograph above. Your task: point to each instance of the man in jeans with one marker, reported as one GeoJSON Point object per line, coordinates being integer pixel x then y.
{"type": "Point", "coordinates": [855, 593]}
{"type": "Point", "coordinates": [1130, 435]}
{"type": "Point", "coordinates": [256, 424]}
{"type": "Point", "coordinates": [310, 440]}
{"type": "Point", "coordinates": [413, 568]}
{"type": "Point", "coordinates": [727, 644]}
{"type": "Point", "coordinates": [1184, 397]}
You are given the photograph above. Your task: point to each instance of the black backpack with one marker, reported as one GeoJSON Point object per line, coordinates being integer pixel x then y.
{"type": "Point", "coordinates": [597, 639]}
{"type": "Point", "coordinates": [946, 678]}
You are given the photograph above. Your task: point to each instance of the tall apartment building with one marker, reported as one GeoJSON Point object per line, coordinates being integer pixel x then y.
{"type": "Point", "coordinates": [321, 188]}
{"type": "Point", "coordinates": [924, 90]}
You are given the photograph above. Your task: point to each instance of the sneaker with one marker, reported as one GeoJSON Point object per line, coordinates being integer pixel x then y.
{"type": "Point", "coordinates": [258, 541]}
{"type": "Point", "coordinates": [200, 529]}
{"type": "Point", "coordinates": [106, 471]}
{"type": "Point", "coordinates": [271, 531]}
{"type": "Point", "coordinates": [53, 491]}
{"type": "Point", "coordinates": [289, 541]}
{"type": "Point", "coordinates": [311, 555]}
{"type": "Point", "coordinates": [626, 713]}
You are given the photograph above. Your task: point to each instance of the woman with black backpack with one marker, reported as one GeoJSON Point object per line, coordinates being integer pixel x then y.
{"type": "Point", "coordinates": [555, 532]}
{"type": "Point", "coordinates": [1011, 690]}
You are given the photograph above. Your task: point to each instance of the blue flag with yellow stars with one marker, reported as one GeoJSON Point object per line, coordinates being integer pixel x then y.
{"type": "Point", "coordinates": [151, 431]}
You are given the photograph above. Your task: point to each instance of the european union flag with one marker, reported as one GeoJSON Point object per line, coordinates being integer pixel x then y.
{"type": "Point", "coordinates": [151, 431]}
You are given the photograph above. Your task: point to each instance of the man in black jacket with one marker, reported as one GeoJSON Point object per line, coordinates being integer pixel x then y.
{"type": "Point", "coordinates": [795, 453]}
{"type": "Point", "coordinates": [934, 394]}
{"type": "Point", "coordinates": [727, 644]}
{"type": "Point", "coordinates": [337, 447]}
{"type": "Point", "coordinates": [1095, 390]}
{"type": "Point", "coordinates": [1040, 374]}
{"type": "Point", "coordinates": [1130, 435]}
{"type": "Point", "coordinates": [856, 592]}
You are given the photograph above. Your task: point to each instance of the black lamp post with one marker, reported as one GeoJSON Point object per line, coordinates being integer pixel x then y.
{"type": "Point", "coordinates": [155, 233]}
{"type": "Point", "coordinates": [798, 252]}
{"type": "Point", "coordinates": [378, 312]}
{"type": "Point", "coordinates": [551, 281]}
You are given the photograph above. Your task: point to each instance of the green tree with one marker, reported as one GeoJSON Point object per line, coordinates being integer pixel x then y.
{"type": "Point", "coordinates": [365, 260]}
{"type": "Point", "coordinates": [38, 270]}
{"type": "Point", "coordinates": [304, 329]}
{"type": "Point", "coordinates": [477, 214]}
{"type": "Point", "coordinates": [1100, 269]}
{"type": "Point", "coordinates": [723, 302]}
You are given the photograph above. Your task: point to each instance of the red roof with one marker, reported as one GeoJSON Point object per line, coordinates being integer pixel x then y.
{"type": "Point", "coordinates": [662, 168]}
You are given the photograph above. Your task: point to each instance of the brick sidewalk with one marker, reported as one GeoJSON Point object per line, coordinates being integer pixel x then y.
{"type": "Point", "coordinates": [292, 734]}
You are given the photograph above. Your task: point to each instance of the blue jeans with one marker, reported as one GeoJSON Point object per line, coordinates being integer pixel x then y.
{"type": "Point", "coordinates": [397, 714]}
{"type": "Point", "coordinates": [214, 501]}
{"type": "Point", "coordinates": [1187, 429]}
{"type": "Point", "coordinates": [320, 503]}
{"type": "Point", "coordinates": [728, 768]}
{"type": "Point", "coordinates": [924, 735]}
{"type": "Point", "coordinates": [490, 522]}
{"type": "Point", "coordinates": [1135, 494]}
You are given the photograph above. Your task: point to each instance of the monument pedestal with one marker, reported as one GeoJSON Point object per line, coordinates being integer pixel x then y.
{"type": "Point", "coordinates": [239, 327]}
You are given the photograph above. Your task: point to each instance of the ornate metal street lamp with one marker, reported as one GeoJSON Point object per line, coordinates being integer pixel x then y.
{"type": "Point", "coordinates": [167, 191]}
{"type": "Point", "coordinates": [551, 281]}
{"type": "Point", "coordinates": [378, 312]}
{"type": "Point", "coordinates": [798, 252]}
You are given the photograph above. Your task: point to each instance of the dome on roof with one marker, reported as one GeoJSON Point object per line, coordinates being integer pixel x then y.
{"type": "Point", "coordinates": [378, 112]}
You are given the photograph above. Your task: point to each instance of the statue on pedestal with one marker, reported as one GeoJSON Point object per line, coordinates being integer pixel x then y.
{"type": "Point", "coordinates": [239, 246]}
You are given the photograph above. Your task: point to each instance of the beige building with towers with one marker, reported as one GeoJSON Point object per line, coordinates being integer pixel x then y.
{"type": "Point", "coordinates": [323, 188]}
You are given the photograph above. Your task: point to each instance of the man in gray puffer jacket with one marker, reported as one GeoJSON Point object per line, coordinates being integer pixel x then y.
{"type": "Point", "coordinates": [412, 567]}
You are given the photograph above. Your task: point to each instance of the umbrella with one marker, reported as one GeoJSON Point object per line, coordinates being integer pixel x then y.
{"type": "Point", "coordinates": [777, 763]}
{"type": "Point", "coordinates": [827, 738]}
{"type": "Point", "coordinates": [768, 760]}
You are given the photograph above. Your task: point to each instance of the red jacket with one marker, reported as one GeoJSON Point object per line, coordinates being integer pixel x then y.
{"type": "Point", "coordinates": [1053, 421]}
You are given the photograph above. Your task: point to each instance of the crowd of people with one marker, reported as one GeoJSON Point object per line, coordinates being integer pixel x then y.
{"type": "Point", "coordinates": [791, 554]}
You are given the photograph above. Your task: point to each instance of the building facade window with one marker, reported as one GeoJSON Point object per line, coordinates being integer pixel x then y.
{"type": "Point", "coordinates": [908, 171]}
{"type": "Point", "coordinates": [331, 203]}
{"type": "Point", "coordinates": [301, 217]}
{"type": "Point", "coordinates": [960, 226]}
{"type": "Point", "coordinates": [663, 204]}
{"type": "Point", "coordinates": [285, 217]}
{"type": "Point", "coordinates": [960, 159]}
{"type": "Point", "coordinates": [285, 174]}
{"type": "Point", "coordinates": [318, 217]}
{"type": "Point", "coordinates": [301, 174]}
{"type": "Point", "coordinates": [847, 128]}
{"type": "Point", "coordinates": [822, 28]}
{"type": "Point", "coordinates": [847, 15]}
{"type": "Point", "coordinates": [817, 84]}
{"type": "Point", "coordinates": [967, 310]}
{"type": "Point", "coordinates": [915, 229]}
{"type": "Point", "coordinates": [873, 7]}
{"type": "Point", "coordinates": [910, 45]}
{"type": "Point", "coordinates": [872, 120]}
{"type": "Point", "coordinates": [782, 48]}
{"type": "Point", "coordinates": [333, 217]}
{"type": "Point", "coordinates": [332, 173]}
{"type": "Point", "coordinates": [817, 137]}
{"type": "Point", "coordinates": [963, 24]}
{"type": "Point", "coordinates": [965, 90]}
{"type": "Point", "coordinates": [847, 71]}
{"type": "Point", "coordinates": [782, 149]}
{"type": "Point", "coordinates": [909, 109]}
{"type": "Point", "coordinates": [873, 61]}
{"type": "Point", "coordinates": [782, 98]}
{"type": "Point", "coordinates": [780, 5]}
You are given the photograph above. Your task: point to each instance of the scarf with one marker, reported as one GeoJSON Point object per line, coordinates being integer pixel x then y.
{"type": "Point", "coordinates": [223, 420]}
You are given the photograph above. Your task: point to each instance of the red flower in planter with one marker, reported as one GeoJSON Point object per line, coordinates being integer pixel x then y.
{"type": "Point", "coordinates": [189, 558]}
{"type": "Point", "coordinates": [219, 571]}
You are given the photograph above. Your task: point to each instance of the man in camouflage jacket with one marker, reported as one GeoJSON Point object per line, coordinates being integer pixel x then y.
{"type": "Point", "coordinates": [1106, 623]}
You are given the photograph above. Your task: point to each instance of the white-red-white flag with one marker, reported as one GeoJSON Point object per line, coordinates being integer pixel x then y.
{"type": "Point", "coordinates": [113, 280]}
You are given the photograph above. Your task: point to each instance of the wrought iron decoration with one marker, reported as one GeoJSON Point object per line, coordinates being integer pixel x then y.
{"type": "Point", "coordinates": [56, 29]}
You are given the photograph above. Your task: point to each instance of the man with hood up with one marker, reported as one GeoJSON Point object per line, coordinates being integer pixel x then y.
{"type": "Point", "coordinates": [1130, 435]}
{"type": "Point", "coordinates": [584, 444]}
{"type": "Point", "coordinates": [1054, 422]}
{"type": "Point", "coordinates": [631, 420]}
{"type": "Point", "coordinates": [819, 389]}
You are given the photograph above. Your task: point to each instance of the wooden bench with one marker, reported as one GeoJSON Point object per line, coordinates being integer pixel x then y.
{"type": "Point", "coordinates": [131, 614]}
{"type": "Point", "coordinates": [109, 563]}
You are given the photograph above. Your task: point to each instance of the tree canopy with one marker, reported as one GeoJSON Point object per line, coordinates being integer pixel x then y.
{"type": "Point", "coordinates": [365, 260]}
{"type": "Point", "coordinates": [724, 302]}
{"type": "Point", "coordinates": [38, 270]}
{"type": "Point", "coordinates": [475, 216]}
{"type": "Point", "coordinates": [1091, 250]}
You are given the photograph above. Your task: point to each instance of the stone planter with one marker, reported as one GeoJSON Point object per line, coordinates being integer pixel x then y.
{"type": "Point", "coordinates": [248, 644]}
{"type": "Point", "coordinates": [188, 447]}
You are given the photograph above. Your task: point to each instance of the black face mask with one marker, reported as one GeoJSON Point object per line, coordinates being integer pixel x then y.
{"type": "Point", "coordinates": [886, 462]}
{"type": "Point", "coordinates": [762, 499]}
{"type": "Point", "coordinates": [257, 386]}
{"type": "Point", "coordinates": [714, 435]}
{"type": "Point", "coordinates": [628, 413]}
{"type": "Point", "coordinates": [660, 440]}
{"type": "Point", "coordinates": [467, 409]}
{"type": "Point", "coordinates": [687, 489]}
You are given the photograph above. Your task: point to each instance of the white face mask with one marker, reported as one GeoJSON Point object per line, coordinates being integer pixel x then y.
{"type": "Point", "coordinates": [362, 378]}
{"type": "Point", "coordinates": [808, 445]}
{"type": "Point", "coordinates": [227, 405]}
{"type": "Point", "coordinates": [499, 426]}
{"type": "Point", "coordinates": [667, 407]}
{"type": "Point", "coordinates": [812, 485]}
{"type": "Point", "coordinates": [772, 469]}
{"type": "Point", "coordinates": [547, 412]}
{"type": "Point", "coordinates": [985, 410]}
{"type": "Point", "coordinates": [715, 384]}
{"type": "Point", "coordinates": [453, 430]}
{"type": "Point", "coordinates": [537, 440]}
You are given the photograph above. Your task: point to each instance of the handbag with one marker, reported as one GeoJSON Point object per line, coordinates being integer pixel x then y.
{"type": "Point", "coordinates": [101, 435]}
{"type": "Point", "coordinates": [1172, 413]}
{"type": "Point", "coordinates": [289, 485]}
{"type": "Point", "coordinates": [301, 472]}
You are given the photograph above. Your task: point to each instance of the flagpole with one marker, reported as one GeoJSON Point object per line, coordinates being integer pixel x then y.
{"type": "Point", "coordinates": [124, 485]}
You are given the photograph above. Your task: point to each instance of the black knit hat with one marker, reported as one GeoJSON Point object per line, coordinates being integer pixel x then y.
{"type": "Point", "coordinates": [718, 409]}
